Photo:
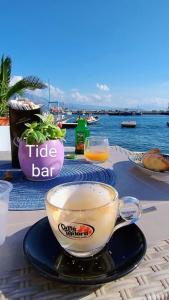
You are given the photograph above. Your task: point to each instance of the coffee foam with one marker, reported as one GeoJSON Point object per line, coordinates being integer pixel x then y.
{"type": "Point", "coordinates": [82, 196]}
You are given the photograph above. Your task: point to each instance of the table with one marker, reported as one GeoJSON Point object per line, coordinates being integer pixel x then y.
{"type": "Point", "coordinates": [155, 225]}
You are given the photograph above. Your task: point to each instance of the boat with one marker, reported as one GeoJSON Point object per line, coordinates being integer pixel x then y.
{"type": "Point", "coordinates": [69, 113]}
{"type": "Point", "coordinates": [129, 124]}
{"type": "Point", "coordinates": [59, 114]}
{"type": "Point", "coordinates": [57, 110]}
{"type": "Point", "coordinates": [69, 125]}
{"type": "Point", "coordinates": [125, 113]}
{"type": "Point", "coordinates": [92, 120]}
{"type": "Point", "coordinates": [168, 124]}
{"type": "Point", "coordinates": [138, 113]}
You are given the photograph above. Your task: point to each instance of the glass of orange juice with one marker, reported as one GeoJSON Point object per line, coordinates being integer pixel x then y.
{"type": "Point", "coordinates": [96, 149]}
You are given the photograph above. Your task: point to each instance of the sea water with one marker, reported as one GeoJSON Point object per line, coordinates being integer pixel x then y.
{"type": "Point", "coordinates": [150, 132]}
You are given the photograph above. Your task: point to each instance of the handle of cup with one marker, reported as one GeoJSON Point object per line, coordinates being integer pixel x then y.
{"type": "Point", "coordinates": [129, 210]}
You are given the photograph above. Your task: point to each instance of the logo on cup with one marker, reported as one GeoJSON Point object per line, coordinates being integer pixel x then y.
{"type": "Point", "coordinates": [76, 230]}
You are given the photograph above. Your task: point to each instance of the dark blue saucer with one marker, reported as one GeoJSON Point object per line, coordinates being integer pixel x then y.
{"type": "Point", "coordinates": [121, 255]}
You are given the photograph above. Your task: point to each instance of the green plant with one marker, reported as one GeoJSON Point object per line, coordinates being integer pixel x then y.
{"type": "Point", "coordinates": [40, 132]}
{"type": "Point", "coordinates": [3, 109]}
{"type": "Point", "coordinates": [7, 90]}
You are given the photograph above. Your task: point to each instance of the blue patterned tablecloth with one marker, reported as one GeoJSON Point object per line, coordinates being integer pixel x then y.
{"type": "Point", "coordinates": [30, 195]}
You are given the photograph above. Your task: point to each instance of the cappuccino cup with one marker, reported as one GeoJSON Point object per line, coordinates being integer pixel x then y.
{"type": "Point", "coordinates": [83, 215]}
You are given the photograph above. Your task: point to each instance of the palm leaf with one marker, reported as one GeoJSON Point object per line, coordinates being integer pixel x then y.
{"type": "Point", "coordinates": [5, 71]}
{"type": "Point", "coordinates": [5, 74]}
{"type": "Point", "coordinates": [1, 69]}
{"type": "Point", "coordinates": [30, 82]}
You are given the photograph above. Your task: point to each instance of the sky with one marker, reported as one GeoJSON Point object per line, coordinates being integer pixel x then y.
{"type": "Point", "coordinates": [103, 52]}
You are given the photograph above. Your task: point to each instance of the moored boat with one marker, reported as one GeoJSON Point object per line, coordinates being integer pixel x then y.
{"type": "Point", "coordinates": [69, 125]}
{"type": "Point", "coordinates": [129, 124]}
{"type": "Point", "coordinates": [92, 120]}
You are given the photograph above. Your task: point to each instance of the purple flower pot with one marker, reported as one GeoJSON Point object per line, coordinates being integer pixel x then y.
{"type": "Point", "coordinates": [41, 161]}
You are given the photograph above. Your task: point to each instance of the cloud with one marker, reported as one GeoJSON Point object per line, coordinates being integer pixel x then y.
{"type": "Point", "coordinates": [74, 90]}
{"type": "Point", "coordinates": [102, 87]}
{"type": "Point", "coordinates": [79, 97]}
{"type": "Point", "coordinates": [150, 97]}
{"type": "Point", "coordinates": [91, 98]}
{"type": "Point", "coordinates": [54, 92]}
{"type": "Point", "coordinates": [15, 79]}
{"type": "Point", "coordinates": [96, 97]}
{"type": "Point", "coordinates": [155, 103]}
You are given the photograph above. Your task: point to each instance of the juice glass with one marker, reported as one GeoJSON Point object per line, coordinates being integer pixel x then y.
{"type": "Point", "coordinates": [96, 149]}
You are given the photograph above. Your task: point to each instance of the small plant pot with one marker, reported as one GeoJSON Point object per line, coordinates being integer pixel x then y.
{"type": "Point", "coordinates": [4, 121]}
{"type": "Point", "coordinates": [41, 162]}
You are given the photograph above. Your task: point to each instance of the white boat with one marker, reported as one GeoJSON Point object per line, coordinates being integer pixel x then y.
{"type": "Point", "coordinates": [129, 124]}
{"type": "Point", "coordinates": [69, 113]}
{"type": "Point", "coordinates": [92, 120]}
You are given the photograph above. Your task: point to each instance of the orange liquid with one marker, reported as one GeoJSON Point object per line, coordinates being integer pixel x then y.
{"type": "Point", "coordinates": [97, 156]}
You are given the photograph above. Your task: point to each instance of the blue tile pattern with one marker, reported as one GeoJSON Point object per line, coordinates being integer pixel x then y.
{"type": "Point", "coordinates": [29, 195]}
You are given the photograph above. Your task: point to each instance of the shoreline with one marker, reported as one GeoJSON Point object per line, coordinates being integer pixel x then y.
{"type": "Point", "coordinates": [117, 112]}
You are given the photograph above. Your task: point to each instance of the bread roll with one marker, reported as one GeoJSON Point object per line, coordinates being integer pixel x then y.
{"type": "Point", "coordinates": [155, 161]}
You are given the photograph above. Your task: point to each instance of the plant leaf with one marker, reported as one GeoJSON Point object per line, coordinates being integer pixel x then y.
{"type": "Point", "coordinates": [45, 129]}
{"type": "Point", "coordinates": [30, 83]}
{"type": "Point", "coordinates": [28, 125]}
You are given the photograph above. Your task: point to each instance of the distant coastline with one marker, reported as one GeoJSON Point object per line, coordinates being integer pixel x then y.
{"type": "Point", "coordinates": [118, 112]}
